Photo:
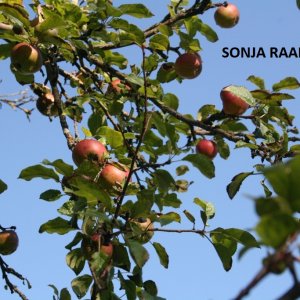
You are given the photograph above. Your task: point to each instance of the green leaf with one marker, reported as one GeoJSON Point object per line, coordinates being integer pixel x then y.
{"type": "Point", "coordinates": [159, 42]}
{"type": "Point", "coordinates": [171, 100]}
{"type": "Point", "coordinates": [138, 252]}
{"type": "Point", "coordinates": [3, 186]}
{"type": "Point", "coordinates": [5, 51]}
{"type": "Point", "coordinates": [90, 191]}
{"type": "Point", "coordinates": [162, 254]}
{"type": "Point", "coordinates": [284, 179]}
{"type": "Point", "coordinates": [55, 290]}
{"type": "Point", "coordinates": [202, 163]}
{"type": "Point", "coordinates": [223, 148]}
{"type": "Point", "coordinates": [259, 82]}
{"type": "Point", "coordinates": [51, 195]}
{"type": "Point", "coordinates": [208, 32]}
{"type": "Point", "coordinates": [75, 260]}
{"type": "Point", "coordinates": [150, 287]}
{"type": "Point", "coordinates": [190, 217]}
{"type": "Point", "coordinates": [114, 138]}
{"type": "Point", "coordinates": [57, 225]}
{"type": "Point", "coordinates": [64, 294]}
{"type": "Point", "coordinates": [205, 111]}
{"type": "Point", "coordinates": [168, 218]}
{"type": "Point", "coordinates": [130, 289]}
{"type": "Point", "coordinates": [60, 166]}
{"type": "Point", "coordinates": [181, 170]}
{"type": "Point", "coordinates": [38, 171]}
{"type": "Point", "coordinates": [241, 236]}
{"type": "Point", "coordinates": [224, 246]}
{"type": "Point", "coordinates": [289, 83]}
{"type": "Point", "coordinates": [234, 186]}
{"type": "Point", "coordinates": [136, 10]}
{"type": "Point", "coordinates": [81, 284]}
{"type": "Point", "coordinates": [121, 258]}
{"type": "Point", "coordinates": [224, 255]}
{"type": "Point", "coordinates": [298, 3]}
{"type": "Point", "coordinates": [275, 228]}
{"type": "Point", "coordinates": [164, 180]}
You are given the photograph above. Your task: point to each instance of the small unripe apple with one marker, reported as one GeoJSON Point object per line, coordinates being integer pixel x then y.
{"type": "Point", "coordinates": [146, 228]}
{"type": "Point", "coordinates": [89, 150]}
{"type": "Point", "coordinates": [46, 105]}
{"type": "Point", "coordinates": [26, 59]}
{"type": "Point", "coordinates": [232, 103]}
{"type": "Point", "coordinates": [227, 16]}
{"type": "Point", "coordinates": [207, 147]}
{"type": "Point", "coordinates": [9, 242]}
{"type": "Point", "coordinates": [188, 65]}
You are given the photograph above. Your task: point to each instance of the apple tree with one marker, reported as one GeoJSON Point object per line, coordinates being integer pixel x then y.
{"type": "Point", "coordinates": [124, 133]}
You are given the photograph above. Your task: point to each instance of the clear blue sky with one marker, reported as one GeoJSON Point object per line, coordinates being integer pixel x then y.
{"type": "Point", "coordinates": [195, 271]}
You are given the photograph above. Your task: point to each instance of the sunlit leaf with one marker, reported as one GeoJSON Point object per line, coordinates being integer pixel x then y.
{"type": "Point", "coordinates": [38, 171]}
{"type": "Point", "coordinates": [289, 83]}
{"type": "Point", "coordinates": [81, 284]}
{"type": "Point", "coordinates": [57, 225]}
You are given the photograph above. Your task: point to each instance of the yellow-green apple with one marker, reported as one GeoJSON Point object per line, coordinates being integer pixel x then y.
{"type": "Point", "coordinates": [46, 105]}
{"type": "Point", "coordinates": [9, 242]}
{"type": "Point", "coordinates": [188, 65]}
{"type": "Point", "coordinates": [26, 58]}
{"type": "Point", "coordinates": [89, 150]}
{"type": "Point", "coordinates": [233, 104]}
{"type": "Point", "coordinates": [144, 231]}
{"type": "Point", "coordinates": [207, 147]}
{"type": "Point", "coordinates": [227, 16]}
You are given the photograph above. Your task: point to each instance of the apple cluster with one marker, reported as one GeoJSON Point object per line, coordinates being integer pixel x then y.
{"type": "Point", "coordinates": [111, 177]}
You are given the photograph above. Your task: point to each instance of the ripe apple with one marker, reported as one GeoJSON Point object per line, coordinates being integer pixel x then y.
{"type": "Point", "coordinates": [207, 147]}
{"type": "Point", "coordinates": [232, 103]}
{"type": "Point", "coordinates": [112, 175]}
{"type": "Point", "coordinates": [46, 106]}
{"type": "Point", "coordinates": [145, 226]}
{"type": "Point", "coordinates": [90, 150]}
{"type": "Point", "coordinates": [26, 59]}
{"type": "Point", "coordinates": [9, 242]}
{"type": "Point", "coordinates": [117, 86]}
{"type": "Point", "coordinates": [227, 16]}
{"type": "Point", "coordinates": [188, 65]}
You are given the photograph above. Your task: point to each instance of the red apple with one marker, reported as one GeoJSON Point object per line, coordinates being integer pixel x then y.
{"type": "Point", "coordinates": [26, 59]}
{"type": "Point", "coordinates": [46, 106]}
{"type": "Point", "coordinates": [9, 242]}
{"type": "Point", "coordinates": [227, 16]}
{"type": "Point", "coordinates": [112, 175]}
{"type": "Point", "coordinates": [207, 147]}
{"type": "Point", "coordinates": [89, 150]}
{"type": "Point", "coordinates": [146, 228]}
{"type": "Point", "coordinates": [188, 65]}
{"type": "Point", "coordinates": [232, 103]}
{"type": "Point", "coordinates": [90, 245]}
